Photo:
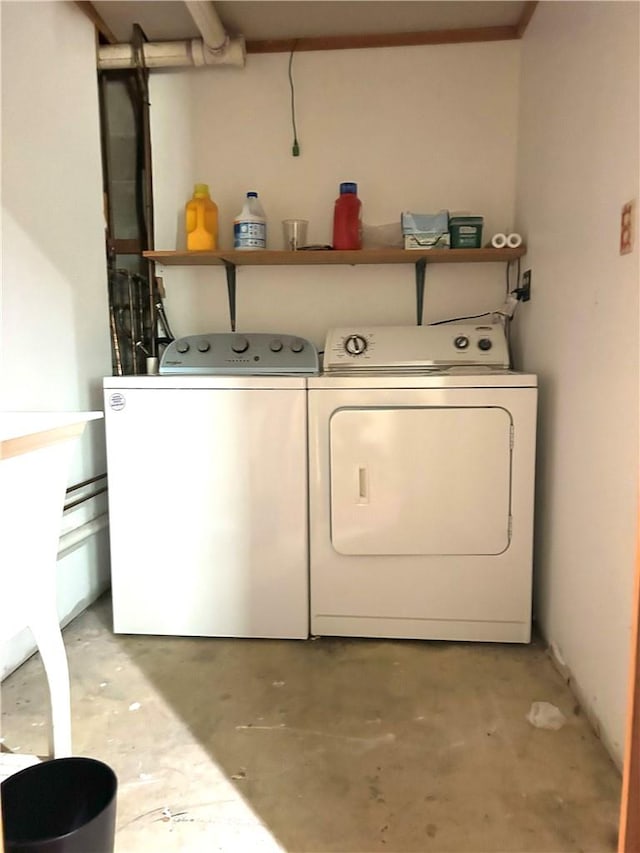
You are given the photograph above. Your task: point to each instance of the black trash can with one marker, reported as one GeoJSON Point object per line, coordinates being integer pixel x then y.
{"type": "Point", "coordinates": [66, 805]}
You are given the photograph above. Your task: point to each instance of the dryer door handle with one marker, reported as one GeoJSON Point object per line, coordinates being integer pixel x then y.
{"type": "Point", "coordinates": [363, 485]}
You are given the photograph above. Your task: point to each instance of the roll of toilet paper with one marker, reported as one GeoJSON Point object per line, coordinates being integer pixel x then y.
{"type": "Point", "coordinates": [514, 240]}
{"type": "Point", "coordinates": [499, 241]}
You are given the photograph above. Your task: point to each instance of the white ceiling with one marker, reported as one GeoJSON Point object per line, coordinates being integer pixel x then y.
{"type": "Point", "coordinates": [281, 19]}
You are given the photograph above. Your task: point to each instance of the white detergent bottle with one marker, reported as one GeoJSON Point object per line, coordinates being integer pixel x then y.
{"type": "Point", "coordinates": [250, 225]}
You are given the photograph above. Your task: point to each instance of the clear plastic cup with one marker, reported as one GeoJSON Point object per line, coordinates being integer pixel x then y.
{"type": "Point", "coordinates": [295, 233]}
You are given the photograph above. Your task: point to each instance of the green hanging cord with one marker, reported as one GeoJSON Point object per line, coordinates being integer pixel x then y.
{"type": "Point", "coordinates": [295, 149]}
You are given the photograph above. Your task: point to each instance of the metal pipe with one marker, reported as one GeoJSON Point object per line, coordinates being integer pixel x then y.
{"type": "Point", "coordinates": [88, 482]}
{"type": "Point", "coordinates": [85, 498]}
{"type": "Point", "coordinates": [149, 212]}
{"type": "Point", "coordinates": [74, 538]}
{"type": "Point", "coordinates": [133, 334]}
{"type": "Point", "coordinates": [140, 309]}
{"type": "Point", "coordinates": [163, 319]}
{"type": "Point", "coordinates": [114, 338]}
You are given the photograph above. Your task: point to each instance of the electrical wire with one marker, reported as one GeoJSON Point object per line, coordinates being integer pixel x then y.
{"type": "Point", "coordinates": [508, 319]}
{"type": "Point", "coordinates": [507, 334]}
{"type": "Point", "coordinates": [508, 276]}
{"type": "Point", "coordinates": [505, 318]}
{"type": "Point", "coordinates": [490, 313]}
{"type": "Point", "coordinates": [457, 319]}
{"type": "Point", "coordinates": [295, 148]}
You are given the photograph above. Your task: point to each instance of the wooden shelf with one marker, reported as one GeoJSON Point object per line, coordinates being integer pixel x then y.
{"type": "Point", "coordinates": [328, 257]}
{"type": "Point", "coordinates": [230, 259]}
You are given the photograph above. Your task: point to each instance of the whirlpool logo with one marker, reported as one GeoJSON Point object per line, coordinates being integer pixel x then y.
{"type": "Point", "coordinates": [117, 401]}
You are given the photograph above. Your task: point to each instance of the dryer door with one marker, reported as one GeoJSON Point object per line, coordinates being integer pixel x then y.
{"type": "Point", "coordinates": [420, 480]}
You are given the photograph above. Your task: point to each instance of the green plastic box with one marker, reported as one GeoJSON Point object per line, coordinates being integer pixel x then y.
{"type": "Point", "coordinates": [466, 232]}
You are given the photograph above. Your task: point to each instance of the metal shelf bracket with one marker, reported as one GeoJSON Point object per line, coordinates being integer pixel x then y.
{"type": "Point", "coordinates": [421, 266]}
{"type": "Point", "coordinates": [230, 269]}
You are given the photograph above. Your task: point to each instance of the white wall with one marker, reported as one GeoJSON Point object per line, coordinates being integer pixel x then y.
{"type": "Point", "coordinates": [578, 163]}
{"type": "Point", "coordinates": [54, 345]}
{"type": "Point", "coordinates": [419, 128]}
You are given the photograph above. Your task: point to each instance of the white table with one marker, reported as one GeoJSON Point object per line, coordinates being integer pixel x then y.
{"type": "Point", "coordinates": [35, 451]}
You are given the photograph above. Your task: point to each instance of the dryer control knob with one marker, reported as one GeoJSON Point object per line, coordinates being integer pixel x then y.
{"type": "Point", "coordinates": [461, 342]}
{"type": "Point", "coordinates": [182, 346]}
{"type": "Point", "coordinates": [297, 346]}
{"type": "Point", "coordinates": [485, 344]}
{"type": "Point", "coordinates": [240, 344]}
{"type": "Point", "coordinates": [204, 346]}
{"type": "Point", "coordinates": [275, 345]}
{"type": "Point", "coordinates": [355, 344]}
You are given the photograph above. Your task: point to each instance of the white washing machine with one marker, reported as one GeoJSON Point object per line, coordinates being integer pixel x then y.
{"type": "Point", "coordinates": [207, 467]}
{"type": "Point", "coordinates": [421, 485]}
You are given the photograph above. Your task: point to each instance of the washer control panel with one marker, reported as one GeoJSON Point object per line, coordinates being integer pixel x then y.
{"type": "Point", "coordinates": [416, 348]}
{"type": "Point", "coordinates": [244, 353]}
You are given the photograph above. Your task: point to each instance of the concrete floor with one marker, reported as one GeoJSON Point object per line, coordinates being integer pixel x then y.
{"type": "Point", "coordinates": [246, 746]}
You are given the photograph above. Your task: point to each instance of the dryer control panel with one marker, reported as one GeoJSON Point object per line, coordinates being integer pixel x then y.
{"type": "Point", "coordinates": [244, 353]}
{"type": "Point", "coordinates": [416, 348]}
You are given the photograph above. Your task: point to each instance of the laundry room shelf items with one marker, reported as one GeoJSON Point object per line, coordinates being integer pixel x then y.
{"type": "Point", "coordinates": [231, 259]}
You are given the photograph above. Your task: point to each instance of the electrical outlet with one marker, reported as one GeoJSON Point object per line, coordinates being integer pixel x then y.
{"type": "Point", "coordinates": [525, 287]}
{"type": "Point", "coordinates": [627, 225]}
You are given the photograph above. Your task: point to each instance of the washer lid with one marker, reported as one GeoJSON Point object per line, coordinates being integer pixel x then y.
{"type": "Point", "coordinates": [204, 383]}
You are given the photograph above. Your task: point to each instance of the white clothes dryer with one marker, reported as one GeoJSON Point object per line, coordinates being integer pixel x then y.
{"type": "Point", "coordinates": [207, 468]}
{"type": "Point", "coordinates": [421, 466]}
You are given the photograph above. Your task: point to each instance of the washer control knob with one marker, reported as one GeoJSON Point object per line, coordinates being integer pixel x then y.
{"type": "Point", "coordinates": [240, 344]}
{"type": "Point", "coordinates": [461, 342]}
{"type": "Point", "coordinates": [297, 346]}
{"type": "Point", "coordinates": [182, 346]}
{"type": "Point", "coordinates": [275, 345]}
{"type": "Point", "coordinates": [204, 346]}
{"type": "Point", "coordinates": [355, 344]}
{"type": "Point", "coordinates": [485, 344]}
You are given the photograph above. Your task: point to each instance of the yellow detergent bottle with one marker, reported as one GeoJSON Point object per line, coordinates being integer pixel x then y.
{"type": "Point", "coordinates": [201, 221]}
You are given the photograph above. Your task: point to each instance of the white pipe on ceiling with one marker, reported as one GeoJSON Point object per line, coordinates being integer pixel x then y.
{"type": "Point", "coordinates": [214, 48]}
{"type": "Point", "coordinates": [207, 21]}
{"type": "Point", "coordinates": [171, 54]}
